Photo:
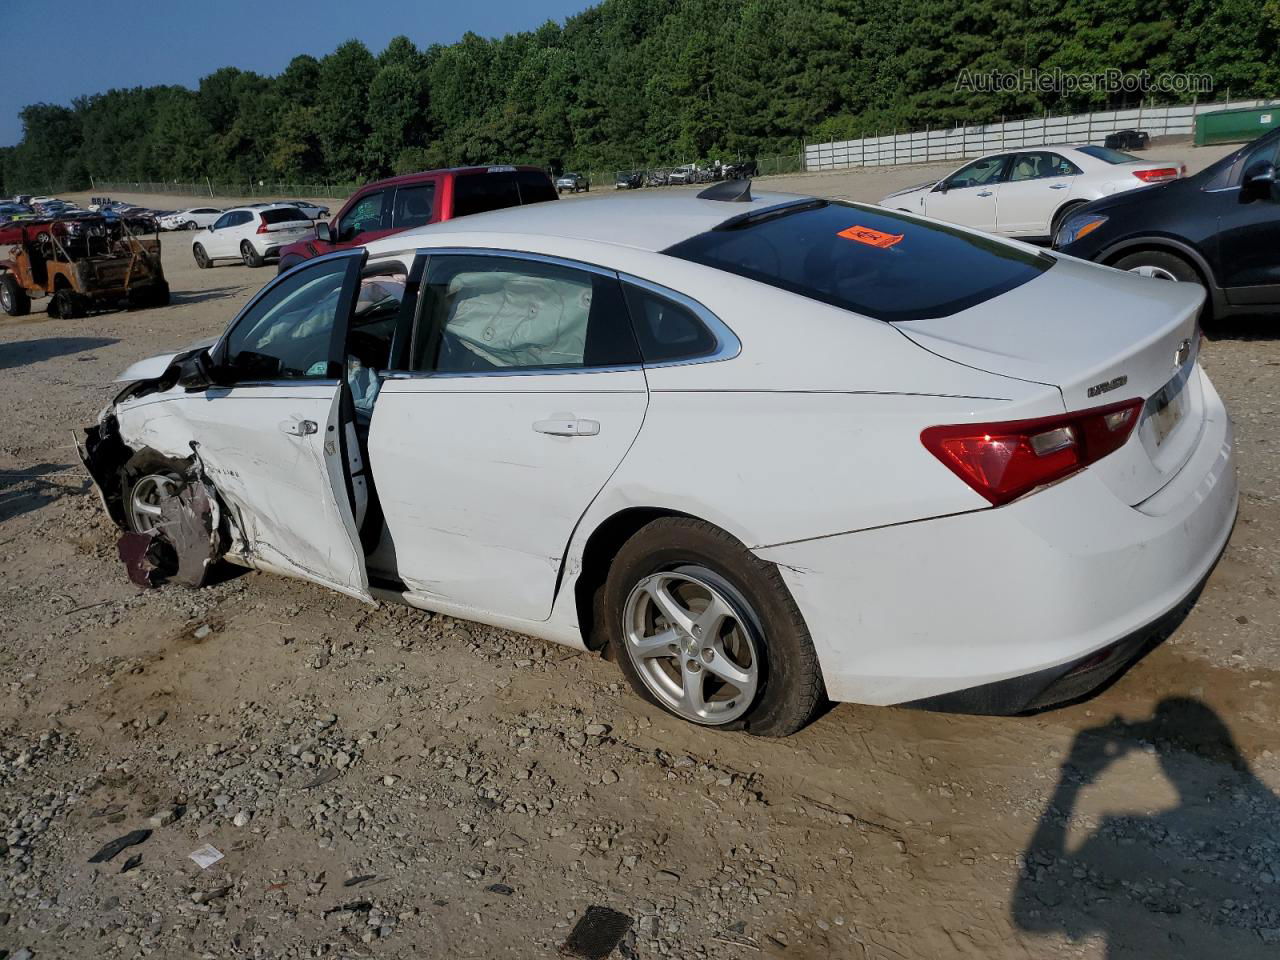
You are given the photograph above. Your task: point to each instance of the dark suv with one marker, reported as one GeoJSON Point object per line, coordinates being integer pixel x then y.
{"type": "Point", "coordinates": [388, 206]}
{"type": "Point", "coordinates": [1220, 227]}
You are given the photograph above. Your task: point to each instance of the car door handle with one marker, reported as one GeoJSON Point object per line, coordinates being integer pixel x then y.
{"type": "Point", "coordinates": [299, 428]}
{"type": "Point", "coordinates": [985, 193]}
{"type": "Point", "coordinates": [1059, 186]}
{"type": "Point", "coordinates": [567, 427]}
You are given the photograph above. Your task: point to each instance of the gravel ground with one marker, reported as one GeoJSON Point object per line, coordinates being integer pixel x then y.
{"type": "Point", "coordinates": [388, 783]}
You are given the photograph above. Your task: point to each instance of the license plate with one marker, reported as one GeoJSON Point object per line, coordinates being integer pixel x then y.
{"type": "Point", "coordinates": [1166, 408]}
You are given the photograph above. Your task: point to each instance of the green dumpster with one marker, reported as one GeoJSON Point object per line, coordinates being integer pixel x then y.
{"type": "Point", "coordinates": [1236, 126]}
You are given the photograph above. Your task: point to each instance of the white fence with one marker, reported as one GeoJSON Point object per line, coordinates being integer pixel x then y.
{"type": "Point", "coordinates": [955, 143]}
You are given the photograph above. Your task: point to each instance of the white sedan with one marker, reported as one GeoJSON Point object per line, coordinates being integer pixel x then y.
{"type": "Point", "coordinates": [1026, 193]}
{"type": "Point", "coordinates": [769, 451]}
{"type": "Point", "coordinates": [193, 218]}
{"type": "Point", "coordinates": [251, 235]}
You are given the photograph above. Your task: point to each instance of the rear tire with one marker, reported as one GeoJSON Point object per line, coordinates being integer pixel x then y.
{"type": "Point", "coordinates": [13, 299]}
{"type": "Point", "coordinates": [765, 640]}
{"type": "Point", "coordinates": [67, 305]}
{"type": "Point", "coordinates": [249, 255]}
{"type": "Point", "coordinates": [1159, 265]}
{"type": "Point", "coordinates": [202, 258]}
{"type": "Point", "coordinates": [189, 225]}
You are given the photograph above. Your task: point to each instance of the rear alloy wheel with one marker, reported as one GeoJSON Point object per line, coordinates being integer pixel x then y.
{"type": "Point", "coordinates": [13, 299]}
{"type": "Point", "coordinates": [707, 631]}
{"type": "Point", "coordinates": [189, 225]}
{"type": "Point", "coordinates": [202, 258]}
{"type": "Point", "coordinates": [1159, 266]}
{"type": "Point", "coordinates": [249, 255]}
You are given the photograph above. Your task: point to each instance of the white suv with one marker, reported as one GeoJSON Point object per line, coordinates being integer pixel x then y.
{"type": "Point", "coordinates": [250, 234]}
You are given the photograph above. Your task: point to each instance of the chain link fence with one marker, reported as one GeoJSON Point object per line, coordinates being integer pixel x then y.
{"type": "Point", "coordinates": [210, 188]}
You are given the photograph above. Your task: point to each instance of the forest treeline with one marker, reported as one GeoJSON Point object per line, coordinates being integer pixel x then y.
{"type": "Point", "coordinates": [636, 82]}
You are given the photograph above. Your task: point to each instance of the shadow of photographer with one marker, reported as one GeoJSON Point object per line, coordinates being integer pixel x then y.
{"type": "Point", "coordinates": [1200, 879]}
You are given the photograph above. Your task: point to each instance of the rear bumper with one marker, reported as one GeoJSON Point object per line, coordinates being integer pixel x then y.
{"type": "Point", "coordinates": [1006, 609]}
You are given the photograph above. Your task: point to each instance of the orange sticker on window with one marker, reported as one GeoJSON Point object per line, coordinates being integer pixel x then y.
{"type": "Point", "coordinates": [872, 238]}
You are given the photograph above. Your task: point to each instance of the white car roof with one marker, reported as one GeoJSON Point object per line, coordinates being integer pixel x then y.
{"type": "Point", "coordinates": [645, 221]}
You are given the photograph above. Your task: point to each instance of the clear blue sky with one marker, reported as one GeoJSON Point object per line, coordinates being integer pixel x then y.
{"type": "Point", "coordinates": [60, 49]}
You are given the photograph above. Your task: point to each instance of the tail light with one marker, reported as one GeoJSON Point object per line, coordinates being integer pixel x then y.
{"type": "Point", "coordinates": [1002, 461]}
{"type": "Point", "coordinates": [1158, 175]}
{"type": "Point", "coordinates": [262, 227]}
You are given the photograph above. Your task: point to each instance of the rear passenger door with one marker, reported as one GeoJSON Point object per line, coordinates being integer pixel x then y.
{"type": "Point", "coordinates": [1038, 184]}
{"type": "Point", "coordinates": [523, 394]}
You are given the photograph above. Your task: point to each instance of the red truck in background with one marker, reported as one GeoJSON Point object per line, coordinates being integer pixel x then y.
{"type": "Point", "coordinates": [389, 206]}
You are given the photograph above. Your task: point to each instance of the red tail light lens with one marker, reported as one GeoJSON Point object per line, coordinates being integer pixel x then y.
{"type": "Point", "coordinates": [1159, 175]}
{"type": "Point", "coordinates": [1002, 461]}
{"type": "Point", "coordinates": [262, 227]}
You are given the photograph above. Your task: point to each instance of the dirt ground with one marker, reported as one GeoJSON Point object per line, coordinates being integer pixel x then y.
{"type": "Point", "coordinates": [388, 783]}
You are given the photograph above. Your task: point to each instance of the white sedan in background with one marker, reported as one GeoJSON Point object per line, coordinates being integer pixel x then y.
{"type": "Point", "coordinates": [1027, 193]}
{"type": "Point", "coordinates": [769, 451]}
{"type": "Point", "coordinates": [193, 218]}
{"type": "Point", "coordinates": [251, 234]}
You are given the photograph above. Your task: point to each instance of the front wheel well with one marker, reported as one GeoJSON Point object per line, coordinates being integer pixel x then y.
{"type": "Point", "coordinates": [597, 556]}
{"type": "Point", "coordinates": [1158, 247]}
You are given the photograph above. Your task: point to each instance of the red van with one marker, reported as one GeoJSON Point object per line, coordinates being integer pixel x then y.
{"type": "Point", "coordinates": [388, 206]}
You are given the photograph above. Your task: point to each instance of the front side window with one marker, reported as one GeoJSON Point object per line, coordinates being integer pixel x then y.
{"type": "Point", "coordinates": [498, 314]}
{"type": "Point", "coordinates": [223, 221]}
{"type": "Point", "coordinates": [287, 335]}
{"type": "Point", "coordinates": [366, 215]}
{"type": "Point", "coordinates": [414, 205]}
{"type": "Point", "coordinates": [982, 172]}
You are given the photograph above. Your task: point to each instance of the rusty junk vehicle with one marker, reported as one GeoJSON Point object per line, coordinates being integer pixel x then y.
{"type": "Point", "coordinates": [81, 264]}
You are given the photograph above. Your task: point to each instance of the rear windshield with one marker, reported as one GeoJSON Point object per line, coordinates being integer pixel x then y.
{"type": "Point", "coordinates": [872, 261]}
{"type": "Point", "coordinates": [1107, 155]}
{"type": "Point", "coordinates": [283, 215]}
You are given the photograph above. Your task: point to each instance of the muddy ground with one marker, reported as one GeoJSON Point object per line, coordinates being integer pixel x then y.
{"type": "Point", "coordinates": [387, 783]}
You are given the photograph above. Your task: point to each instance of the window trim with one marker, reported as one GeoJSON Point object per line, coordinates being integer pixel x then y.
{"type": "Point", "coordinates": [727, 346]}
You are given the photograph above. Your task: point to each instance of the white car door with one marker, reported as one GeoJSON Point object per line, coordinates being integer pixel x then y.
{"type": "Point", "coordinates": [1038, 183]}
{"type": "Point", "coordinates": [225, 239]}
{"type": "Point", "coordinates": [969, 196]}
{"type": "Point", "coordinates": [523, 395]}
{"type": "Point", "coordinates": [272, 434]}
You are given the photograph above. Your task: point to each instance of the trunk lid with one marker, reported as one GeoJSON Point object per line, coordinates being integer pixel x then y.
{"type": "Point", "coordinates": [1100, 336]}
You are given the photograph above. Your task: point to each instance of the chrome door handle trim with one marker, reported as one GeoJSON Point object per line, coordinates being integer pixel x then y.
{"type": "Point", "coordinates": [567, 427]}
{"type": "Point", "coordinates": [1059, 186]}
{"type": "Point", "coordinates": [985, 193]}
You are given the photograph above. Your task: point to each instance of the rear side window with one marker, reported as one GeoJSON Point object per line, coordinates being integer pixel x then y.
{"type": "Point", "coordinates": [480, 192]}
{"type": "Point", "coordinates": [283, 215]}
{"type": "Point", "coordinates": [536, 186]}
{"type": "Point", "coordinates": [666, 330]}
{"type": "Point", "coordinates": [869, 260]}
{"type": "Point", "coordinates": [414, 205]}
{"type": "Point", "coordinates": [485, 314]}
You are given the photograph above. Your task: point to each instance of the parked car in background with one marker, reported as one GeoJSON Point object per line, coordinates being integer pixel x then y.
{"type": "Point", "coordinates": [1219, 228]}
{"type": "Point", "coordinates": [628, 180]}
{"type": "Point", "coordinates": [415, 199]}
{"type": "Point", "coordinates": [388, 449]}
{"type": "Point", "coordinates": [1128, 140]}
{"type": "Point", "coordinates": [680, 175]}
{"type": "Point", "coordinates": [313, 210]}
{"type": "Point", "coordinates": [742, 170]}
{"type": "Point", "coordinates": [573, 182]}
{"type": "Point", "coordinates": [251, 235]}
{"type": "Point", "coordinates": [192, 218]}
{"type": "Point", "coordinates": [1028, 193]}
{"type": "Point", "coordinates": [15, 211]}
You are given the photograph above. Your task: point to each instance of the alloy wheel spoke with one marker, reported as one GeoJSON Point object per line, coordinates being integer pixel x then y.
{"type": "Point", "coordinates": [655, 645]}
{"type": "Point", "coordinates": [150, 509]}
{"type": "Point", "coordinates": [692, 696]}
{"type": "Point", "coordinates": [669, 606]}
{"type": "Point", "coordinates": [726, 669]}
{"type": "Point", "coordinates": [707, 626]}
